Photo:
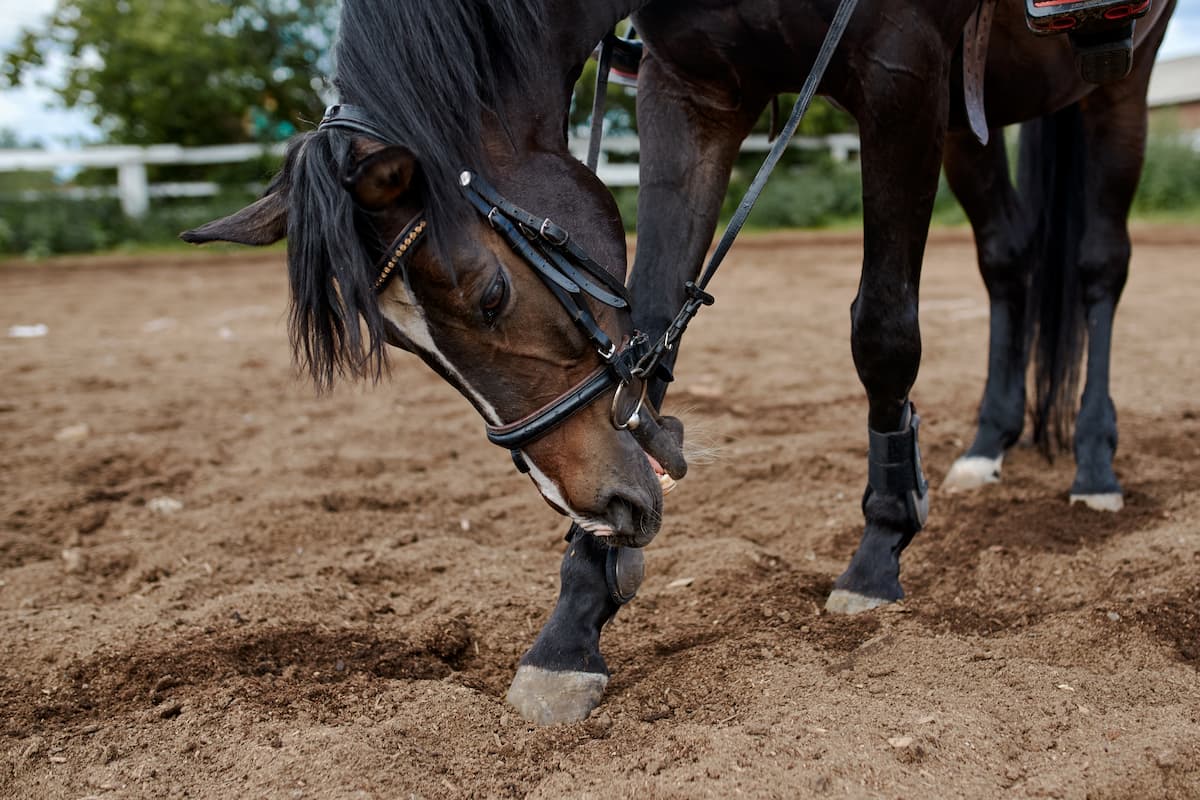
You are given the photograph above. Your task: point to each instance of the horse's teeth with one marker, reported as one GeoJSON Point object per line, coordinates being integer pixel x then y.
{"type": "Point", "coordinates": [667, 483]}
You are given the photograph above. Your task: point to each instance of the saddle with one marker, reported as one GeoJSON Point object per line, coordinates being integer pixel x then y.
{"type": "Point", "coordinates": [1100, 31]}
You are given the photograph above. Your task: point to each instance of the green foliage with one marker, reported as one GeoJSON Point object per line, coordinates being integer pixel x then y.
{"type": "Point", "coordinates": [192, 73]}
{"type": "Point", "coordinates": [40, 228]}
{"type": "Point", "coordinates": [807, 195]}
{"type": "Point", "coordinates": [1170, 178]}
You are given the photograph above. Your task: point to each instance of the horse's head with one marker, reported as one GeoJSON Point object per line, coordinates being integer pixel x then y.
{"type": "Point", "coordinates": [495, 303]}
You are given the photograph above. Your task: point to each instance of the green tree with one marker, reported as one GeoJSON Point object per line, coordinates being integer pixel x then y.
{"type": "Point", "coordinates": [182, 71]}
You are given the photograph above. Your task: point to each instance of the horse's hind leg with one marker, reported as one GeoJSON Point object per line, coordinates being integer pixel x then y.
{"type": "Point", "coordinates": [903, 127]}
{"type": "Point", "coordinates": [1114, 123]}
{"type": "Point", "coordinates": [978, 174]}
{"type": "Point", "coordinates": [562, 677]}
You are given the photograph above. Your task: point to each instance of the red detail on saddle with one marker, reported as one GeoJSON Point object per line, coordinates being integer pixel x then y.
{"type": "Point", "coordinates": [1121, 12]}
{"type": "Point", "coordinates": [1055, 24]}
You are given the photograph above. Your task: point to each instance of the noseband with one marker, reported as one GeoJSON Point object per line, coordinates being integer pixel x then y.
{"type": "Point", "coordinates": [570, 275]}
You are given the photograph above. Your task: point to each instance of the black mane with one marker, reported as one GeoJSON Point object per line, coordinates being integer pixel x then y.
{"type": "Point", "coordinates": [426, 71]}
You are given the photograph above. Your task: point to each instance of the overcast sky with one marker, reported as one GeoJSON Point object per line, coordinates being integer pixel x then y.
{"type": "Point", "coordinates": [30, 110]}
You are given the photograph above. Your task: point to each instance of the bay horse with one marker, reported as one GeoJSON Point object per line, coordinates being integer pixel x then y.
{"type": "Point", "coordinates": [405, 214]}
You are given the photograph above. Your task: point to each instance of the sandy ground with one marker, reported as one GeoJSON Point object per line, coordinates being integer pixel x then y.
{"type": "Point", "coordinates": [226, 586]}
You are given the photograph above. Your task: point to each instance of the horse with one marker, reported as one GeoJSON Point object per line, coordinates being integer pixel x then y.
{"type": "Point", "coordinates": [405, 215]}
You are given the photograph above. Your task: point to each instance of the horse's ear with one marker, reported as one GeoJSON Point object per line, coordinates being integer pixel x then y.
{"type": "Point", "coordinates": [381, 178]}
{"type": "Point", "coordinates": [262, 222]}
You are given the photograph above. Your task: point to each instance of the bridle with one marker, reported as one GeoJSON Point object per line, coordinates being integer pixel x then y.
{"type": "Point", "coordinates": [571, 275]}
{"type": "Point", "coordinates": [565, 269]}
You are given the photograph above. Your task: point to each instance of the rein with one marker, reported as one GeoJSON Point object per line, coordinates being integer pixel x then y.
{"type": "Point", "coordinates": [571, 275]}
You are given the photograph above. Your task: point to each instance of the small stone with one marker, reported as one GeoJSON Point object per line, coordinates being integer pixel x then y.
{"type": "Point", "coordinates": [93, 521]}
{"type": "Point", "coordinates": [1164, 759]}
{"type": "Point", "coordinates": [171, 710]}
{"type": "Point", "coordinates": [900, 742]}
{"type": "Point", "coordinates": [74, 433]}
{"type": "Point", "coordinates": [1066, 687]}
{"type": "Point", "coordinates": [73, 561]}
{"type": "Point", "coordinates": [599, 724]}
{"type": "Point", "coordinates": [465, 524]}
{"type": "Point", "coordinates": [159, 325]}
{"type": "Point", "coordinates": [164, 505]}
{"type": "Point", "coordinates": [681, 583]}
{"type": "Point", "coordinates": [28, 331]}
{"type": "Point", "coordinates": [32, 747]}
{"type": "Point", "coordinates": [1114, 616]}
{"type": "Point", "coordinates": [784, 616]}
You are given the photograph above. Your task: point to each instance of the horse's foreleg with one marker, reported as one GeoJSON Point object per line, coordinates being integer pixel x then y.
{"type": "Point", "coordinates": [903, 127]}
{"type": "Point", "coordinates": [690, 135]}
{"type": "Point", "coordinates": [562, 677]}
{"type": "Point", "coordinates": [1114, 120]}
{"type": "Point", "coordinates": [978, 174]}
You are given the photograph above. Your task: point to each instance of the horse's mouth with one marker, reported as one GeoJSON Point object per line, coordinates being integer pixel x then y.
{"type": "Point", "coordinates": [662, 439]}
{"type": "Point", "coordinates": [630, 523]}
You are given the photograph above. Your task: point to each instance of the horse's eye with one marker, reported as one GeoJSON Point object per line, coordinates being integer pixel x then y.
{"type": "Point", "coordinates": [492, 302]}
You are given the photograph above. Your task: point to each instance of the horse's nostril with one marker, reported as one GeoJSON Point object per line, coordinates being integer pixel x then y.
{"type": "Point", "coordinates": [633, 524]}
{"type": "Point", "coordinates": [619, 514]}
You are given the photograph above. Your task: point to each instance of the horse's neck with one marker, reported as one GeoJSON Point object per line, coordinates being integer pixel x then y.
{"type": "Point", "coordinates": [580, 25]}
{"type": "Point", "coordinates": [573, 29]}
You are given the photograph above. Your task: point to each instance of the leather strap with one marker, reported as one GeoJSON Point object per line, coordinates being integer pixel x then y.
{"type": "Point", "coordinates": [975, 49]}
{"type": "Point", "coordinates": [351, 118]}
{"type": "Point", "coordinates": [544, 230]}
{"type": "Point", "coordinates": [599, 101]}
{"type": "Point", "coordinates": [395, 258]}
{"type": "Point", "coordinates": [536, 424]}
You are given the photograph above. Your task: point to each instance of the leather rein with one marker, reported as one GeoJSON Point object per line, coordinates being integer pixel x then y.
{"type": "Point", "coordinates": [571, 275]}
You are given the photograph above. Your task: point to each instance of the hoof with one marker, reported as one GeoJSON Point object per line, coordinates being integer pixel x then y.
{"type": "Point", "coordinates": [971, 472]}
{"type": "Point", "coordinates": [1112, 501]}
{"type": "Point", "coordinates": [843, 602]}
{"type": "Point", "coordinates": [545, 697]}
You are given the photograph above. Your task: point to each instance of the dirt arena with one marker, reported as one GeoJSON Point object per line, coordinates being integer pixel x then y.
{"type": "Point", "coordinates": [226, 586]}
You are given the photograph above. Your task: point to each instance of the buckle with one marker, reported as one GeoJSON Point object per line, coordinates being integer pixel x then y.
{"type": "Point", "coordinates": [544, 232]}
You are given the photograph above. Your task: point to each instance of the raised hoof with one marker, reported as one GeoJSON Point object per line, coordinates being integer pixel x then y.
{"type": "Point", "coordinates": [545, 697]}
{"type": "Point", "coordinates": [843, 602]}
{"type": "Point", "coordinates": [972, 472]}
{"type": "Point", "coordinates": [1111, 501]}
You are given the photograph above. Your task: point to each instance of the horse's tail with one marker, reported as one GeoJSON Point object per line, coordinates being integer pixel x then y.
{"type": "Point", "coordinates": [1051, 185]}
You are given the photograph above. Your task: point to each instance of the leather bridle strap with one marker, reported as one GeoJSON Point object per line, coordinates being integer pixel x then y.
{"type": "Point", "coordinates": [395, 258]}
{"type": "Point", "coordinates": [536, 424]}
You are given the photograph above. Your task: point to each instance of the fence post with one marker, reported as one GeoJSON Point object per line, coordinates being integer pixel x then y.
{"type": "Point", "coordinates": [133, 189]}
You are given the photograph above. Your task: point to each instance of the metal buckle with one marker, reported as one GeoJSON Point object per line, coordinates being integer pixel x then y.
{"type": "Point", "coordinates": [542, 232]}
{"type": "Point", "coordinates": [612, 351]}
{"type": "Point", "coordinates": [491, 216]}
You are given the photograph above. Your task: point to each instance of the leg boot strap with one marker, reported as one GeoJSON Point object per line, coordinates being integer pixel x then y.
{"type": "Point", "coordinates": [894, 468]}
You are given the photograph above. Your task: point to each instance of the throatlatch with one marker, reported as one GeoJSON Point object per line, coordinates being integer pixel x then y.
{"type": "Point", "coordinates": [894, 468]}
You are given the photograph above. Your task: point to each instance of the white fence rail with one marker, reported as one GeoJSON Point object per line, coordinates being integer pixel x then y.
{"type": "Point", "coordinates": [135, 191]}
